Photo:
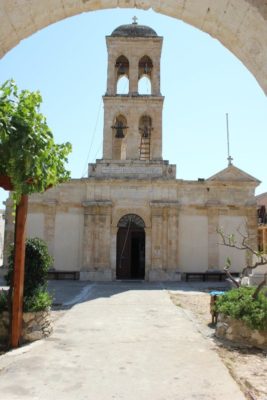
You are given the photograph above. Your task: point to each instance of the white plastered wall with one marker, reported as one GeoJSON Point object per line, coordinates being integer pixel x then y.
{"type": "Point", "coordinates": [193, 243]}
{"type": "Point", "coordinates": [68, 241]}
{"type": "Point", "coordinates": [231, 225]}
{"type": "Point", "coordinates": [35, 225]}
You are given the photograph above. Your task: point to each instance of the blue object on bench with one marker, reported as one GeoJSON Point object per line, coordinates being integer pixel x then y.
{"type": "Point", "coordinates": [216, 292]}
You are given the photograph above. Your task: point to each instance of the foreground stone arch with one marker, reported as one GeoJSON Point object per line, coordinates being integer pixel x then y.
{"type": "Point", "coordinates": [240, 25]}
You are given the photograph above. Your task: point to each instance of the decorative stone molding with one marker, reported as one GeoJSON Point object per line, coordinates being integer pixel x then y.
{"type": "Point", "coordinates": [238, 332]}
{"type": "Point", "coordinates": [132, 169]}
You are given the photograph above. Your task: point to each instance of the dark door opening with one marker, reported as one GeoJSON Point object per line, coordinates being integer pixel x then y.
{"type": "Point", "coordinates": [130, 252]}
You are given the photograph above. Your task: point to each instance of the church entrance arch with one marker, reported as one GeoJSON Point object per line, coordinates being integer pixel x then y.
{"type": "Point", "coordinates": [130, 263]}
{"type": "Point", "coordinates": [239, 25]}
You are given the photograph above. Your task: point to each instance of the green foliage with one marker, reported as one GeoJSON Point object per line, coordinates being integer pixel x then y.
{"type": "Point", "coordinates": [37, 263]}
{"type": "Point", "coordinates": [28, 153]}
{"type": "Point", "coordinates": [40, 300]}
{"type": "Point", "coordinates": [3, 300]}
{"type": "Point", "coordinates": [239, 304]}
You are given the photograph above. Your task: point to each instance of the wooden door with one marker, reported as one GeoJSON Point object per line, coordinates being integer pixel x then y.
{"type": "Point", "coordinates": [130, 253]}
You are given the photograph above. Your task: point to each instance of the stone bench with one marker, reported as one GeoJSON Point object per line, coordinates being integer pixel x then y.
{"type": "Point", "coordinates": [209, 275]}
{"type": "Point", "coordinates": [63, 274]}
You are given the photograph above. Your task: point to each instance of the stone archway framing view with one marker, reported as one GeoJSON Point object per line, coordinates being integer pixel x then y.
{"type": "Point", "coordinates": [240, 25]}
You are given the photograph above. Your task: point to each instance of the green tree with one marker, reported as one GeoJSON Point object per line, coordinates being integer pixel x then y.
{"type": "Point", "coordinates": [29, 155]}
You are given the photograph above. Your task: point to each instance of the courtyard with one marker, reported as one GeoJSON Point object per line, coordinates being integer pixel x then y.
{"type": "Point", "coordinates": [120, 340]}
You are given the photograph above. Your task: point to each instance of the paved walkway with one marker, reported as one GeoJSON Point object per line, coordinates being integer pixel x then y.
{"type": "Point", "coordinates": [123, 341]}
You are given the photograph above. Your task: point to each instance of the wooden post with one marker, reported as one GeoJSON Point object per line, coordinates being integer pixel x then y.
{"type": "Point", "coordinates": [18, 275]}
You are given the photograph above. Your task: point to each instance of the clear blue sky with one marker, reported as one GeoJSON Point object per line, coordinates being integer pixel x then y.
{"type": "Point", "coordinates": [200, 79]}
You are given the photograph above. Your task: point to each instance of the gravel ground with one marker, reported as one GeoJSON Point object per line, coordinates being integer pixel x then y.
{"type": "Point", "coordinates": [247, 366]}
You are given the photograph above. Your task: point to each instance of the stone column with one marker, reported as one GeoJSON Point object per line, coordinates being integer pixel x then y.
{"type": "Point", "coordinates": [108, 122]}
{"type": "Point", "coordinates": [164, 246]}
{"type": "Point", "coordinates": [165, 237]}
{"type": "Point", "coordinates": [155, 81]}
{"type": "Point", "coordinates": [111, 76]}
{"type": "Point", "coordinates": [96, 245]}
{"type": "Point", "coordinates": [156, 237]}
{"type": "Point", "coordinates": [133, 138]}
{"type": "Point", "coordinates": [133, 76]}
{"type": "Point", "coordinates": [173, 238]}
{"type": "Point", "coordinates": [156, 136]}
{"type": "Point", "coordinates": [251, 225]}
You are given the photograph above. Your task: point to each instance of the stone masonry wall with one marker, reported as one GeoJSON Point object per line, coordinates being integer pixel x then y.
{"type": "Point", "coordinates": [237, 331]}
{"type": "Point", "coordinates": [36, 325]}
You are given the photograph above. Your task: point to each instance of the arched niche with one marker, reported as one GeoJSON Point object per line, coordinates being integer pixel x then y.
{"type": "Point", "coordinates": [144, 86]}
{"type": "Point", "coordinates": [145, 129]}
{"type": "Point", "coordinates": [145, 73]}
{"type": "Point", "coordinates": [145, 126]}
{"type": "Point", "coordinates": [122, 74]}
{"type": "Point", "coordinates": [119, 133]}
{"type": "Point", "coordinates": [145, 67]}
{"type": "Point", "coordinates": [123, 85]}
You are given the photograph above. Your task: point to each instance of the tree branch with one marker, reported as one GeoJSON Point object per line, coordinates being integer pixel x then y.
{"type": "Point", "coordinates": [259, 287]}
{"type": "Point", "coordinates": [235, 282]}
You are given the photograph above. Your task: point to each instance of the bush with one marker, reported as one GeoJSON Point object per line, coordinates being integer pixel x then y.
{"type": "Point", "coordinates": [37, 264]}
{"type": "Point", "coordinates": [239, 304]}
{"type": "Point", "coordinates": [38, 302]}
{"type": "Point", "coordinates": [3, 300]}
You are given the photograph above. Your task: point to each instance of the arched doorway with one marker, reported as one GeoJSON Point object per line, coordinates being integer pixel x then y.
{"type": "Point", "coordinates": [130, 263]}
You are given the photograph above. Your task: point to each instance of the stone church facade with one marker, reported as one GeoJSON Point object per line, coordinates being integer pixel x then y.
{"type": "Point", "coordinates": [131, 218]}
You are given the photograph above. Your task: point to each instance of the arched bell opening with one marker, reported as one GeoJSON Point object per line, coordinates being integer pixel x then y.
{"type": "Point", "coordinates": [144, 86]}
{"type": "Point", "coordinates": [130, 260]}
{"type": "Point", "coordinates": [118, 138]}
{"type": "Point", "coordinates": [145, 70]}
{"type": "Point", "coordinates": [145, 129]}
{"type": "Point", "coordinates": [123, 85]}
{"type": "Point", "coordinates": [122, 75]}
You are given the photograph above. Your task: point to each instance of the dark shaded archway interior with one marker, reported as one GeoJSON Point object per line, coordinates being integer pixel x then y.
{"type": "Point", "coordinates": [130, 248]}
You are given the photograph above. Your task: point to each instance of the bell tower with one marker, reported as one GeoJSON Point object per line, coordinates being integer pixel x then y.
{"type": "Point", "coordinates": [132, 140]}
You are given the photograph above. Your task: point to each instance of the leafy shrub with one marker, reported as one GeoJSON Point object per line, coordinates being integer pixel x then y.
{"type": "Point", "coordinates": [37, 264]}
{"type": "Point", "coordinates": [3, 300]}
{"type": "Point", "coordinates": [239, 304]}
{"type": "Point", "coordinates": [38, 302]}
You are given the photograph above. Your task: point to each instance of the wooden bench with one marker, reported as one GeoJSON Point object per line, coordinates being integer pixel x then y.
{"type": "Point", "coordinates": [205, 276]}
{"type": "Point", "coordinates": [57, 275]}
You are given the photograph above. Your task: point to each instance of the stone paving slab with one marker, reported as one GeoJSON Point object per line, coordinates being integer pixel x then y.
{"type": "Point", "coordinates": [123, 342]}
